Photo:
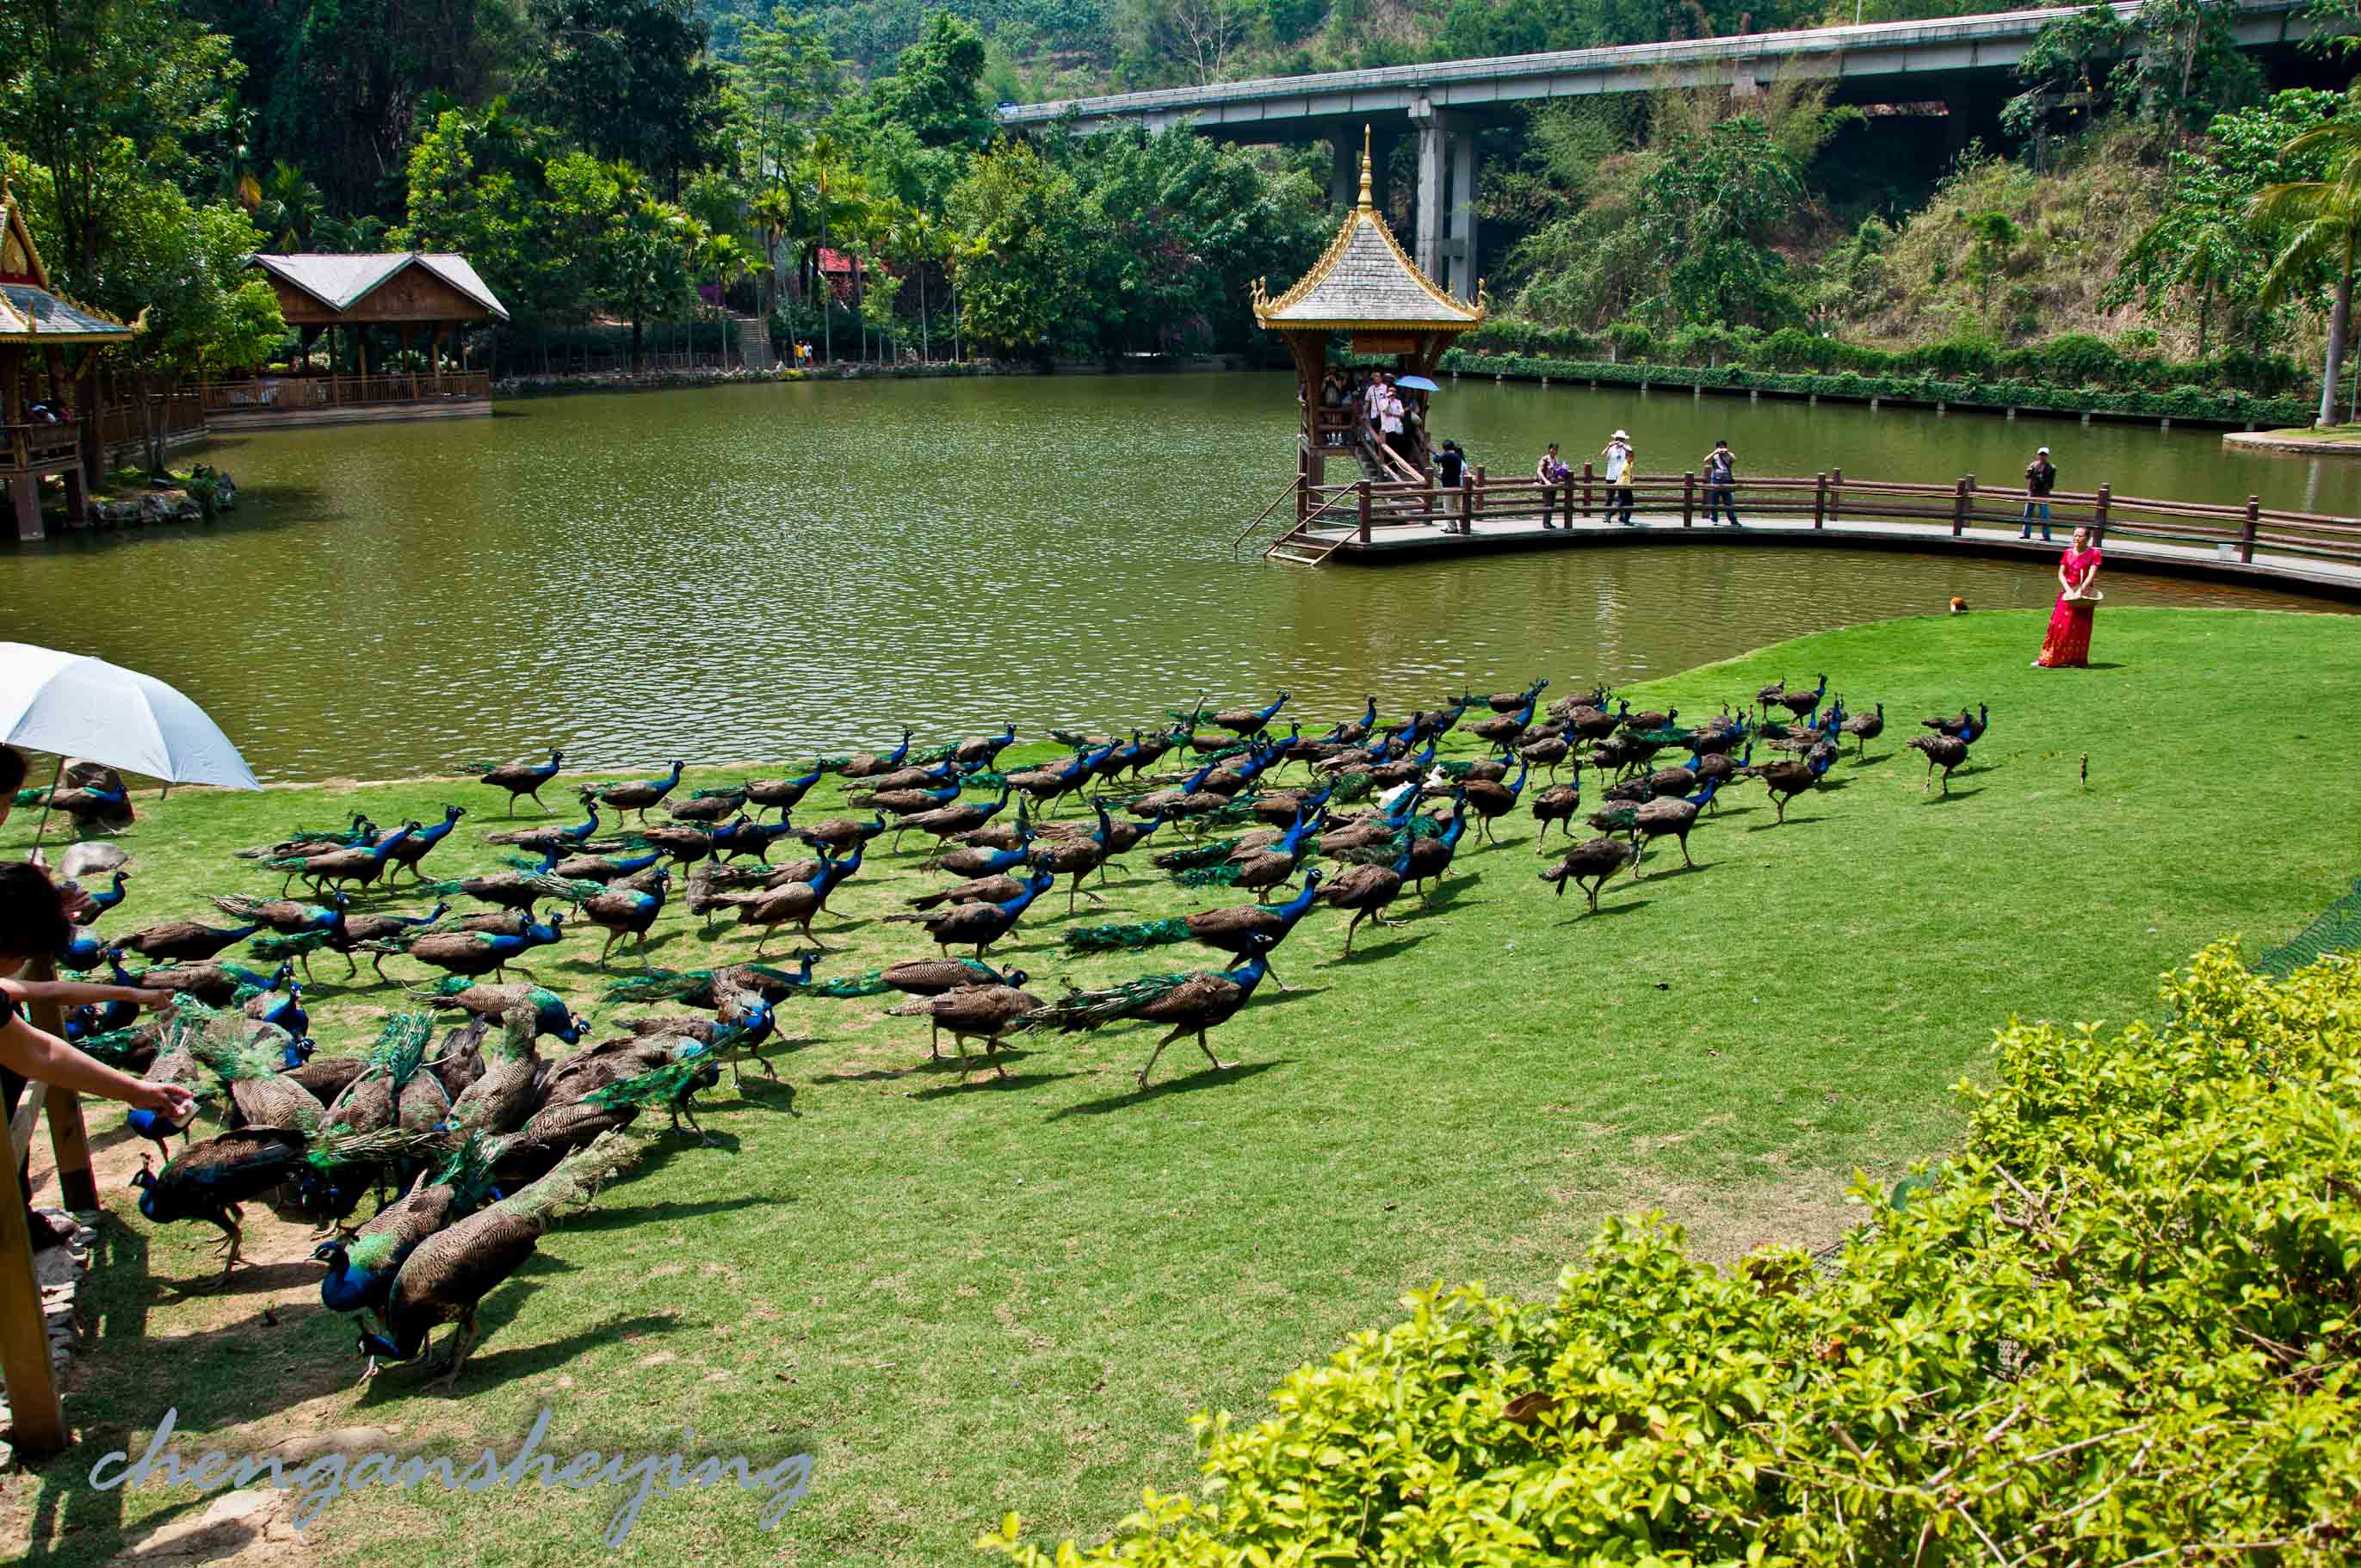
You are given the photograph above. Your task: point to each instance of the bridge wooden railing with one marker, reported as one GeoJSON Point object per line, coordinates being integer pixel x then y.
{"type": "Point", "coordinates": [336, 392]}
{"type": "Point", "coordinates": [2232, 532]}
{"type": "Point", "coordinates": [38, 1428]}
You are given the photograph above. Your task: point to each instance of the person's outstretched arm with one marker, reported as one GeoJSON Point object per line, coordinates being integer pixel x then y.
{"type": "Point", "coordinates": [81, 994]}
{"type": "Point", "coordinates": [30, 1053]}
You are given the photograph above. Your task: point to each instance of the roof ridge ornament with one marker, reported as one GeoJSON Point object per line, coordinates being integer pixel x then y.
{"type": "Point", "coordinates": [1369, 202]}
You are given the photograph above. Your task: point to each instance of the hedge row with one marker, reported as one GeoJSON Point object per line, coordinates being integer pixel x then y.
{"type": "Point", "coordinates": [2073, 359]}
{"type": "Point", "coordinates": [2192, 402]}
{"type": "Point", "coordinates": [2120, 1327]}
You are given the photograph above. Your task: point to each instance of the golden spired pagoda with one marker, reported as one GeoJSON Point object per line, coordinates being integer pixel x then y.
{"type": "Point", "coordinates": [1363, 284]}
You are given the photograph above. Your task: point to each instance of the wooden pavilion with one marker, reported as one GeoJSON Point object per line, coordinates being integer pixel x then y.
{"type": "Point", "coordinates": [415, 295]}
{"type": "Point", "coordinates": [1363, 284]}
{"type": "Point", "coordinates": [38, 330]}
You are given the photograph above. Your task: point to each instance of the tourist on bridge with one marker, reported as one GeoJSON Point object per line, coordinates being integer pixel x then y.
{"type": "Point", "coordinates": [1619, 475]}
{"type": "Point", "coordinates": [2040, 478]}
{"type": "Point", "coordinates": [2067, 645]}
{"type": "Point", "coordinates": [1720, 475]}
{"type": "Point", "coordinates": [1552, 472]}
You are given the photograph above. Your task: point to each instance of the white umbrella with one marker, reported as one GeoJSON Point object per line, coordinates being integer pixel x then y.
{"type": "Point", "coordinates": [75, 705]}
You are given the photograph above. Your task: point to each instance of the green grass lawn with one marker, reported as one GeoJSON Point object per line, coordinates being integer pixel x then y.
{"type": "Point", "coordinates": [1011, 1296]}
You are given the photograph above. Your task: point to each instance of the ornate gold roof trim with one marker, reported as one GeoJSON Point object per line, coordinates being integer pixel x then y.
{"type": "Point", "coordinates": [1456, 315]}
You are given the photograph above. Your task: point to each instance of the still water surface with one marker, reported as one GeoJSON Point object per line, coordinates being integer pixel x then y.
{"type": "Point", "coordinates": [751, 572]}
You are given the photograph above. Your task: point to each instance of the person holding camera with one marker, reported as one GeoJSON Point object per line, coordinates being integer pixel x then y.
{"type": "Point", "coordinates": [2040, 478]}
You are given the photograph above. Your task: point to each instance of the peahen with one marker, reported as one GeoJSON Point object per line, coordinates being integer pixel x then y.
{"type": "Point", "coordinates": [1247, 722]}
{"type": "Point", "coordinates": [1864, 728]}
{"type": "Point", "coordinates": [1193, 1003]}
{"type": "Point", "coordinates": [452, 1271]}
{"type": "Point", "coordinates": [1241, 928]}
{"type": "Point", "coordinates": [980, 923]}
{"type": "Point", "coordinates": [1589, 864]}
{"type": "Point", "coordinates": [1945, 751]}
{"type": "Point", "coordinates": [986, 1012]}
{"type": "Point", "coordinates": [640, 794]}
{"type": "Point", "coordinates": [1559, 804]}
{"type": "Point", "coordinates": [523, 779]}
{"type": "Point", "coordinates": [1788, 778]}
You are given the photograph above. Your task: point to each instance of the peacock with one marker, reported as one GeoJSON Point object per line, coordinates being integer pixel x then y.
{"type": "Point", "coordinates": [361, 864]}
{"type": "Point", "coordinates": [519, 890]}
{"type": "Point", "coordinates": [288, 917]}
{"type": "Point", "coordinates": [1431, 854]}
{"type": "Point", "coordinates": [96, 797]}
{"type": "Point", "coordinates": [250, 1059]}
{"type": "Point", "coordinates": [1193, 1003]}
{"type": "Point", "coordinates": [981, 923]}
{"type": "Point", "coordinates": [1260, 867]}
{"type": "Point", "coordinates": [523, 779]}
{"type": "Point", "coordinates": [1247, 722]}
{"type": "Point", "coordinates": [986, 1012]}
{"type": "Point", "coordinates": [796, 903]}
{"type": "Point", "coordinates": [1367, 891]}
{"type": "Point", "coordinates": [868, 764]}
{"type": "Point", "coordinates": [598, 868]}
{"type": "Point", "coordinates": [1966, 726]}
{"type": "Point", "coordinates": [346, 932]}
{"type": "Point", "coordinates": [216, 984]}
{"type": "Point", "coordinates": [361, 1268]}
{"type": "Point", "coordinates": [450, 1273]}
{"type": "Point", "coordinates": [950, 819]}
{"type": "Point", "coordinates": [471, 952]}
{"type": "Point", "coordinates": [99, 903]}
{"type": "Point", "coordinates": [1237, 928]}
{"type": "Point", "coordinates": [936, 977]}
{"type": "Point", "coordinates": [1589, 864]}
{"type": "Point", "coordinates": [564, 840]}
{"type": "Point", "coordinates": [315, 841]}
{"type": "Point", "coordinates": [394, 1088]}
{"type": "Point", "coordinates": [1076, 858]}
{"type": "Point", "coordinates": [412, 847]}
{"type": "Point", "coordinates": [975, 751]}
{"type": "Point", "coordinates": [682, 843]}
{"type": "Point", "coordinates": [1665, 817]}
{"type": "Point", "coordinates": [550, 1015]}
{"type": "Point", "coordinates": [708, 806]}
{"type": "Point", "coordinates": [212, 1179]}
{"type": "Point", "coordinates": [638, 795]}
{"type": "Point", "coordinates": [1491, 801]}
{"type": "Point", "coordinates": [782, 794]}
{"type": "Point", "coordinates": [509, 1090]}
{"type": "Point", "coordinates": [905, 802]}
{"type": "Point", "coordinates": [1798, 701]}
{"type": "Point", "coordinates": [838, 835]}
{"type": "Point", "coordinates": [626, 912]}
{"type": "Point", "coordinates": [184, 940]}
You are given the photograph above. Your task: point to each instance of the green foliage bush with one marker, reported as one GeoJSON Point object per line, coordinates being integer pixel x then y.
{"type": "Point", "coordinates": [1962, 387]}
{"type": "Point", "coordinates": [2070, 361]}
{"type": "Point", "coordinates": [2120, 1327]}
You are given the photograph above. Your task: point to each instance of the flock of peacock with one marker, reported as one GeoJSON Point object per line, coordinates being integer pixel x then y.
{"type": "Point", "coordinates": [475, 1141]}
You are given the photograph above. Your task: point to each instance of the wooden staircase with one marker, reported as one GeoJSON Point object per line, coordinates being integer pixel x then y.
{"type": "Point", "coordinates": [1301, 547]}
{"type": "Point", "coordinates": [754, 342]}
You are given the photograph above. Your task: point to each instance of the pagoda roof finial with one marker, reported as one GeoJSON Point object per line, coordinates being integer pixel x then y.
{"type": "Point", "coordinates": [1368, 200]}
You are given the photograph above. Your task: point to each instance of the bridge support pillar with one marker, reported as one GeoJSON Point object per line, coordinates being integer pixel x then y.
{"type": "Point", "coordinates": [1343, 172]}
{"type": "Point", "coordinates": [1446, 250]}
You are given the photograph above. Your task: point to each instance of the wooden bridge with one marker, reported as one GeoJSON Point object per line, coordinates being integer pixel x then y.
{"type": "Point", "coordinates": [1377, 523]}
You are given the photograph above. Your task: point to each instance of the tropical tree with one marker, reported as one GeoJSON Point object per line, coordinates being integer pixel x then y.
{"type": "Point", "coordinates": [1993, 238]}
{"type": "Point", "coordinates": [2321, 221]}
{"type": "Point", "coordinates": [287, 206]}
{"type": "Point", "coordinates": [1018, 240]}
{"type": "Point", "coordinates": [773, 214]}
{"type": "Point", "coordinates": [725, 259]}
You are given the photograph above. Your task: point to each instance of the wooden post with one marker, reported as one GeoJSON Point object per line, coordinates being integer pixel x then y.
{"type": "Point", "coordinates": [1820, 503]}
{"type": "Point", "coordinates": [40, 1423]}
{"type": "Point", "coordinates": [2099, 514]}
{"type": "Point", "coordinates": [1478, 503]}
{"type": "Point", "coordinates": [1302, 486]}
{"type": "Point", "coordinates": [1430, 513]}
{"type": "Point", "coordinates": [1586, 491]}
{"type": "Point", "coordinates": [1688, 498]}
{"type": "Point", "coordinates": [1836, 494]}
{"type": "Point", "coordinates": [1959, 509]}
{"type": "Point", "coordinates": [2247, 538]}
{"type": "Point", "coordinates": [1363, 487]}
{"type": "Point", "coordinates": [1467, 505]}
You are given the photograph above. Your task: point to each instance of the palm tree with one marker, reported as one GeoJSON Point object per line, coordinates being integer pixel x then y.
{"type": "Point", "coordinates": [725, 259]}
{"type": "Point", "coordinates": [2321, 222]}
{"type": "Point", "coordinates": [774, 212]}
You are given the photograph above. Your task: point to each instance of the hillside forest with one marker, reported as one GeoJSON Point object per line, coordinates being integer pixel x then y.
{"type": "Point", "coordinates": [2146, 208]}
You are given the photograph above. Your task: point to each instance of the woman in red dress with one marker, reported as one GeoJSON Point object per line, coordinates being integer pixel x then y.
{"type": "Point", "coordinates": [2067, 646]}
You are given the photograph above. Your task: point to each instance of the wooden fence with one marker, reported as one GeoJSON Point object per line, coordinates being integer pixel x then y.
{"type": "Point", "coordinates": [2233, 532]}
{"type": "Point", "coordinates": [338, 391]}
{"type": "Point", "coordinates": [40, 1428]}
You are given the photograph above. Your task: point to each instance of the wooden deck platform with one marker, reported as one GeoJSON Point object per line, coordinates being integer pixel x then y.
{"type": "Point", "coordinates": [224, 422]}
{"type": "Point", "coordinates": [1392, 544]}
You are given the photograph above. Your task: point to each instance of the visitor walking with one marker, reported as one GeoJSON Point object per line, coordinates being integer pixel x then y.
{"type": "Point", "coordinates": [1450, 473]}
{"type": "Point", "coordinates": [1389, 421]}
{"type": "Point", "coordinates": [2067, 645]}
{"type": "Point", "coordinates": [1552, 474]}
{"type": "Point", "coordinates": [2040, 478]}
{"type": "Point", "coordinates": [1374, 403]}
{"type": "Point", "coordinates": [1618, 455]}
{"type": "Point", "coordinates": [1720, 477]}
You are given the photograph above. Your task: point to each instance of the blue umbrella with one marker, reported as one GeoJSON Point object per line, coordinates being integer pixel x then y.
{"type": "Point", "coordinates": [1416, 383]}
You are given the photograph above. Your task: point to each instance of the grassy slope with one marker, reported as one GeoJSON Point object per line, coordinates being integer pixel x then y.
{"type": "Point", "coordinates": [1011, 1297]}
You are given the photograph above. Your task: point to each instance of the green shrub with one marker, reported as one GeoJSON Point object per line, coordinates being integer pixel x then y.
{"type": "Point", "coordinates": [2121, 1326]}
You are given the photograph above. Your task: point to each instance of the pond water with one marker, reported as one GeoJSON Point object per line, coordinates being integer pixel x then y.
{"type": "Point", "coordinates": [751, 572]}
